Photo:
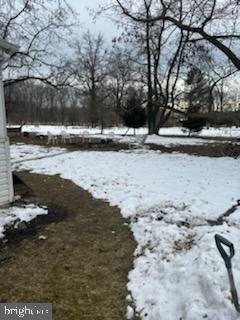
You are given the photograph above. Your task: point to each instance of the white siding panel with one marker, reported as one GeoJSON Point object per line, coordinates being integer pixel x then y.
{"type": "Point", "coordinates": [5, 193]}
{"type": "Point", "coordinates": [3, 182]}
{"type": "Point", "coordinates": [2, 156]}
{"type": "Point", "coordinates": [3, 174]}
{"type": "Point", "coordinates": [3, 165]}
{"type": "Point", "coordinates": [4, 199]}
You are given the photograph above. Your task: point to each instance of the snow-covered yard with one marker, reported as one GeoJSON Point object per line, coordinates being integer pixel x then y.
{"type": "Point", "coordinates": [169, 200]}
{"type": "Point", "coordinates": [174, 131]}
{"type": "Point", "coordinates": [169, 137]}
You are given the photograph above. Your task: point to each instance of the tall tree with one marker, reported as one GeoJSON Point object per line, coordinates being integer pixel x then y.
{"type": "Point", "coordinates": [199, 94]}
{"type": "Point", "coordinates": [91, 71]}
{"type": "Point", "coordinates": [161, 49]}
{"type": "Point", "coordinates": [120, 76]}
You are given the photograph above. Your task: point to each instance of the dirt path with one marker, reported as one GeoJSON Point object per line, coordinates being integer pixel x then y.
{"type": "Point", "coordinates": [83, 264]}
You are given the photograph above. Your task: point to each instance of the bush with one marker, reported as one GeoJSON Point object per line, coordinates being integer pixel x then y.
{"type": "Point", "coordinates": [194, 124]}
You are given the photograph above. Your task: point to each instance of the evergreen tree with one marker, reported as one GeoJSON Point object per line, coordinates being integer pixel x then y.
{"type": "Point", "coordinates": [198, 95]}
{"type": "Point", "coordinates": [133, 114]}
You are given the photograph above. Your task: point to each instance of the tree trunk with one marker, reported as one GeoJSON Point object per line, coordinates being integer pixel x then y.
{"type": "Point", "coordinates": [93, 103]}
{"type": "Point", "coordinates": [162, 118]}
{"type": "Point", "coordinates": [149, 80]}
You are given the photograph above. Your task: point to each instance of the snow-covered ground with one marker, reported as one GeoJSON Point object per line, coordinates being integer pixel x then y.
{"type": "Point", "coordinates": [169, 198]}
{"type": "Point", "coordinates": [178, 136]}
{"type": "Point", "coordinates": [23, 152]}
{"type": "Point", "coordinates": [14, 215]}
{"type": "Point", "coordinates": [175, 131]}
{"type": "Point", "coordinates": [178, 141]}
{"type": "Point", "coordinates": [168, 141]}
{"type": "Point", "coordinates": [206, 132]}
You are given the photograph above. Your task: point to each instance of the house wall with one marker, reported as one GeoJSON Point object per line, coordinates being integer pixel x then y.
{"type": "Point", "coordinates": [6, 188]}
{"type": "Point", "coordinates": [6, 185]}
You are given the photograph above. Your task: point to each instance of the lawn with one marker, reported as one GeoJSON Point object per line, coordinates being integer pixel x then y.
{"type": "Point", "coordinates": [175, 203]}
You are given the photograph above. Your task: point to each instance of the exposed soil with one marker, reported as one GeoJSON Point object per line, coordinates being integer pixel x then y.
{"type": "Point", "coordinates": [208, 150]}
{"type": "Point", "coordinates": [83, 264]}
{"type": "Point", "coordinates": [76, 144]}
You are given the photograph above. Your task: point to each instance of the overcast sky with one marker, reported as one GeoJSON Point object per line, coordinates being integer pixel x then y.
{"type": "Point", "coordinates": [103, 25]}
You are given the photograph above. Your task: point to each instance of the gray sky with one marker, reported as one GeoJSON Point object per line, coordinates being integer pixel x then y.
{"type": "Point", "coordinates": [103, 25]}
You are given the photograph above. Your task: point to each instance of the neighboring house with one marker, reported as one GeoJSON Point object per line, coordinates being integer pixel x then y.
{"type": "Point", "coordinates": [6, 184]}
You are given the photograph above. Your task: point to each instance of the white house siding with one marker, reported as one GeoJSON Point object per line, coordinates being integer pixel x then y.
{"type": "Point", "coordinates": [6, 190]}
{"type": "Point", "coordinates": [6, 185]}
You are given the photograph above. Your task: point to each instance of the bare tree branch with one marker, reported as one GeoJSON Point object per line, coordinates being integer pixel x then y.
{"type": "Point", "coordinates": [214, 40]}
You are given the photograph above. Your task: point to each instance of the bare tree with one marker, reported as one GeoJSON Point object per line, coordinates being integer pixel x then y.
{"type": "Point", "coordinates": [216, 22]}
{"type": "Point", "coordinates": [120, 75]}
{"type": "Point", "coordinates": [41, 29]}
{"type": "Point", "coordinates": [91, 72]}
{"type": "Point", "coordinates": [161, 48]}
{"type": "Point", "coordinates": [35, 102]}
{"type": "Point", "coordinates": [201, 56]}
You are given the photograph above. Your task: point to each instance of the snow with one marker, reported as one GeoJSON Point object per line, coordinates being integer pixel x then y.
{"type": "Point", "coordinates": [173, 131]}
{"type": "Point", "coordinates": [16, 214]}
{"type": "Point", "coordinates": [136, 181]}
{"type": "Point", "coordinates": [206, 132]}
{"type": "Point", "coordinates": [168, 141]}
{"type": "Point", "coordinates": [22, 152]}
{"type": "Point", "coordinates": [56, 130]}
{"type": "Point", "coordinates": [169, 136]}
{"type": "Point", "coordinates": [130, 313]}
{"type": "Point", "coordinates": [169, 200]}
{"type": "Point", "coordinates": [177, 141]}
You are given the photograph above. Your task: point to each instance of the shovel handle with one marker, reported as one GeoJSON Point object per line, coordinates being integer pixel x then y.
{"type": "Point", "coordinates": [220, 241]}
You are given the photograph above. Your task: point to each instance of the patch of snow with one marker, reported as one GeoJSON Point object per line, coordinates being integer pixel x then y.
{"type": "Point", "coordinates": [179, 274]}
{"type": "Point", "coordinates": [42, 237]}
{"type": "Point", "coordinates": [231, 132]}
{"type": "Point", "coordinates": [22, 152]}
{"type": "Point", "coordinates": [130, 313]}
{"type": "Point", "coordinates": [177, 141]}
{"type": "Point", "coordinates": [14, 215]}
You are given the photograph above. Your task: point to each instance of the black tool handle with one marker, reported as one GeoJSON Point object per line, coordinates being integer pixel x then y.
{"type": "Point", "coordinates": [220, 241]}
{"type": "Point", "coordinates": [233, 290]}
